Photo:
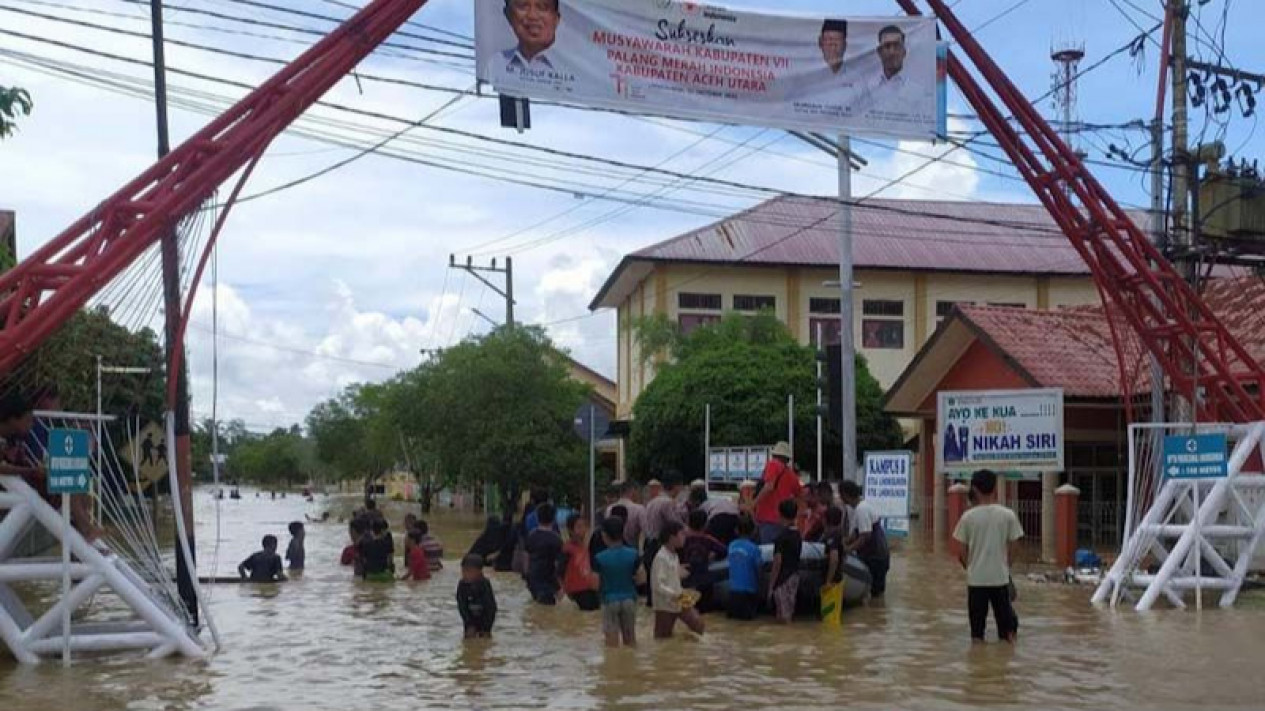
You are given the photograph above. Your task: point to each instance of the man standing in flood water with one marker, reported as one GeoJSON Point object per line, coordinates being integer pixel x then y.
{"type": "Point", "coordinates": [988, 533]}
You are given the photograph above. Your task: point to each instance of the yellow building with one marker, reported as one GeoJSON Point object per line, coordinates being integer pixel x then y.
{"type": "Point", "coordinates": [914, 260]}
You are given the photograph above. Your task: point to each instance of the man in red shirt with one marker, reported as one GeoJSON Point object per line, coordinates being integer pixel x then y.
{"type": "Point", "coordinates": [779, 483]}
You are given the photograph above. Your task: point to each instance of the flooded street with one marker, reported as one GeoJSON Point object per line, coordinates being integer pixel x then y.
{"type": "Point", "coordinates": [324, 641]}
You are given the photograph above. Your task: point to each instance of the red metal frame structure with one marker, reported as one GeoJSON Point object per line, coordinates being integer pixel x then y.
{"type": "Point", "coordinates": [48, 287]}
{"type": "Point", "coordinates": [1196, 351]}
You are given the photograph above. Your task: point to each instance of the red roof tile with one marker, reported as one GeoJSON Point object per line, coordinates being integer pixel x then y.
{"type": "Point", "coordinates": [1072, 348]}
{"type": "Point", "coordinates": [918, 235]}
{"type": "Point", "coordinates": [898, 234]}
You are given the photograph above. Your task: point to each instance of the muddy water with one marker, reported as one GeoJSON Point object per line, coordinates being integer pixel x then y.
{"type": "Point", "coordinates": [323, 641]}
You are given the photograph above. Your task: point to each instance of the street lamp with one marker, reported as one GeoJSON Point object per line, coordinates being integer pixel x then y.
{"type": "Point", "coordinates": [112, 370]}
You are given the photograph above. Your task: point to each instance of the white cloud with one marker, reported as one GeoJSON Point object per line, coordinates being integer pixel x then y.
{"type": "Point", "coordinates": [343, 278]}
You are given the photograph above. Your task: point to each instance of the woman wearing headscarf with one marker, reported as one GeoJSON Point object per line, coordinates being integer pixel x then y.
{"type": "Point", "coordinates": [489, 543]}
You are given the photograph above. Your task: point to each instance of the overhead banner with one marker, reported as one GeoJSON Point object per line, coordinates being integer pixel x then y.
{"type": "Point", "coordinates": [1004, 430]}
{"type": "Point", "coordinates": [688, 60]}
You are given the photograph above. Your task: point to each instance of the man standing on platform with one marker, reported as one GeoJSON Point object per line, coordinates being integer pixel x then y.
{"type": "Point", "coordinates": [779, 483]}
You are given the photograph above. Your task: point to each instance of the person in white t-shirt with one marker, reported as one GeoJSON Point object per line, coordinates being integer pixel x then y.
{"type": "Point", "coordinates": [988, 533]}
{"type": "Point", "coordinates": [869, 540]}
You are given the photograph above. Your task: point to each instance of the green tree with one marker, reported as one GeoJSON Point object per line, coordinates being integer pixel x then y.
{"type": "Point", "coordinates": [500, 409]}
{"type": "Point", "coordinates": [278, 459]}
{"type": "Point", "coordinates": [744, 367]}
{"type": "Point", "coordinates": [338, 428]}
{"type": "Point", "coordinates": [69, 360]}
{"type": "Point", "coordinates": [14, 102]}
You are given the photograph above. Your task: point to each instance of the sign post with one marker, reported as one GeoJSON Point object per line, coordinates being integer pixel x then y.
{"type": "Point", "coordinates": [588, 421]}
{"type": "Point", "coordinates": [1003, 430]}
{"type": "Point", "coordinates": [68, 473]}
{"type": "Point", "coordinates": [1197, 458]}
{"type": "Point", "coordinates": [887, 476]}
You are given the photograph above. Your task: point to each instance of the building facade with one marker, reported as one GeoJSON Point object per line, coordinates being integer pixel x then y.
{"type": "Point", "coordinates": [982, 348]}
{"type": "Point", "coordinates": [914, 261]}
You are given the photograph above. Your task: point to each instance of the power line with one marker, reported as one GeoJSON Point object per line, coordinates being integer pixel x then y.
{"type": "Point", "coordinates": [410, 23]}
{"type": "Point", "coordinates": [400, 54]}
{"type": "Point", "coordinates": [327, 18]}
{"type": "Point", "coordinates": [765, 190]}
{"type": "Point", "coordinates": [220, 50]}
{"type": "Point", "coordinates": [391, 80]}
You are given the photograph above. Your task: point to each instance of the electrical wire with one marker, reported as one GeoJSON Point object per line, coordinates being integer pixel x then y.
{"type": "Point", "coordinates": [391, 49]}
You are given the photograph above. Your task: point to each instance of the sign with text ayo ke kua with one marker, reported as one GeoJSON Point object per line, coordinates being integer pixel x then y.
{"type": "Point", "coordinates": [69, 469]}
{"type": "Point", "coordinates": [1003, 430]}
{"type": "Point", "coordinates": [705, 62]}
{"type": "Point", "coordinates": [887, 482]}
{"type": "Point", "coordinates": [1196, 457]}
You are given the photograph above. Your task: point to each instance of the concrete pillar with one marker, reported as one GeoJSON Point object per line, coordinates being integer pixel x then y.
{"type": "Point", "coordinates": [1066, 499]}
{"type": "Point", "coordinates": [957, 504]}
{"type": "Point", "coordinates": [1003, 489]}
{"type": "Point", "coordinates": [939, 529]}
{"type": "Point", "coordinates": [1049, 482]}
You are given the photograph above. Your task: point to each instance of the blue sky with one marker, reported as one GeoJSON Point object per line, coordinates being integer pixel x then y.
{"type": "Point", "coordinates": [345, 277]}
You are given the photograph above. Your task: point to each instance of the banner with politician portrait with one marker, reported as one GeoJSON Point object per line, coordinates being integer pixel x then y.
{"type": "Point", "coordinates": [698, 61]}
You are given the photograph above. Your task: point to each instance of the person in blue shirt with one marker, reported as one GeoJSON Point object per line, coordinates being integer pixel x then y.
{"type": "Point", "coordinates": [744, 572]}
{"type": "Point", "coordinates": [616, 569]}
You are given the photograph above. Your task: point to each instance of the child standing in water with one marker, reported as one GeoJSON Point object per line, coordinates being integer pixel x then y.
{"type": "Point", "coordinates": [377, 553]}
{"type": "Point", "coordinates": [263, 566]}
{"type": "Point", "coordinates": [433, 546]}
{"type": "Point", "coordinates": [665, 585]}
{"type": "Point", "coordinates": [744, 572]}
{"type": "Point", "coordinates": [356, 530]}
{"type": "Point", "coordinates": [415, 565]}
{"type": "Point", "coordinates": [475, 600]}
{"type": "Point", "coordinates": [295, 552]}
{"type": "Point", "coordinates": [617, 567]}
{"type": "Point", "coordinates": [784, 578]}
{"type": "Point", "coordinates": [578, 581]}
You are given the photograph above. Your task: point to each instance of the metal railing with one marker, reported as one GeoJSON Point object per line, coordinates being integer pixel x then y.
{"type": "Point", "coordinates": [1099, 523]}
{"type": "Point", "coordinates": [1029, 513]}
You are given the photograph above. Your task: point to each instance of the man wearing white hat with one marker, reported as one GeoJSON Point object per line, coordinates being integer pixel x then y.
{"type": "Point", "coordinates": [778, 483]}
{"type": "Point", "coordinates": [746, 497]}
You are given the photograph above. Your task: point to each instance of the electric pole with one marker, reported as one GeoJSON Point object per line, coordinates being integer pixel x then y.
{"type": "Point", "coordinates": [172, 308]}
{"type": "Point", "coordinates": [507, 271]}
{"type": "Point", "coordinates": [1182, 243]}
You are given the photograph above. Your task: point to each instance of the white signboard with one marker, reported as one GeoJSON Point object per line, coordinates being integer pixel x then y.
{"type": "Point", "coordinates": [718, 465]}
{"type": "Point", "coordinates": [733, 464]}
{"type": "Point", "coordinates": [737, 464]}
{"type": "Point", "coordinates": [1003, 430]}
{"type": "Point", "coordinates": [757, 458]}
{"type": "Point", "coordinates": [698, 61]}
{"type": "Point", "coordinates": [887, 482]}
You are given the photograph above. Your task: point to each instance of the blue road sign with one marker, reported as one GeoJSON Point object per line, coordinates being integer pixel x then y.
{"type": "Point", "coordinates": [1196, 456]}
{"type": "Point", "coordinates": [69, 469]}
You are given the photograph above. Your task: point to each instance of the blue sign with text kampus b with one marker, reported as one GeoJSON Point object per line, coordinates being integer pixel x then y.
{"type": "Point", "coordinates": [69, 469]}
{"type": "Point", "coordinates": [1196, 457]}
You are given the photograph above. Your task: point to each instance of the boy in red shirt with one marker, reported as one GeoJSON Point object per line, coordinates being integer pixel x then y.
{"type": "Point", "coordinates": [415, 563]}
{"type": "Point", "coordinates": [578, 581]}
{"type": "Point", "coordinates": [356, 530]}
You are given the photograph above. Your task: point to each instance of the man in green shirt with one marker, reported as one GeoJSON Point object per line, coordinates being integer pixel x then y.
{"type": "Point", "coordinates": [988, 533]}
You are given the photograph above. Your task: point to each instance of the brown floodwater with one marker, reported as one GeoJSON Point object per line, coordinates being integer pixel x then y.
{"type": "Point", "coordinates": [325, 641]}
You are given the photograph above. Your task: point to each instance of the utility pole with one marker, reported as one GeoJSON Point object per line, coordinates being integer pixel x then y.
{"type": "Point", "coordinates": [506, 293]}
{"type": "Point", "coordinates": [847, 342]}
{"type": "Point", "coordinates": [172, 308]}
{"type": "Point", "coordinates": [1182, 243]}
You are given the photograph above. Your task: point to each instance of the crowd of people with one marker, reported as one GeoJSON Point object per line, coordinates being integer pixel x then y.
{"type": "Point", "coordinates": [666, 549]}
{"type": "Point", "coordinates": [663, 542]}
